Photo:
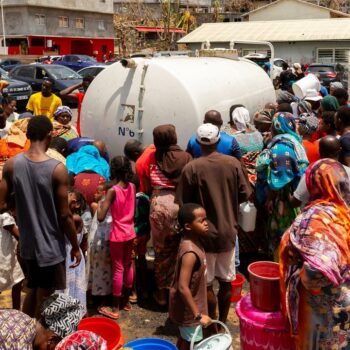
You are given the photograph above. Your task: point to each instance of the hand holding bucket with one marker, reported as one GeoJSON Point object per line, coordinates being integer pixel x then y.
{"type": "Point", "coordinates": [221, 341]}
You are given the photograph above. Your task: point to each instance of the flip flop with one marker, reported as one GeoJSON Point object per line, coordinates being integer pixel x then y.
{"type": "Point", "coordinates": [133, 299]}
{"type": "Point", "coordinates": [107, 311]}
{"type": "Point", "coordinates": [127, 307]}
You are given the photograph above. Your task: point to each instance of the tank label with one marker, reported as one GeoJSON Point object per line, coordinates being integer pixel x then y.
{"type": "Point", "coordinates": [123, 131]}
{"type": "Point", "coordinates": [128, 113]}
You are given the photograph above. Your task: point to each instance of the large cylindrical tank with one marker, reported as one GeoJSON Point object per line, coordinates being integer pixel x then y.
{"type": "Point", "coordinates": [123, 103]}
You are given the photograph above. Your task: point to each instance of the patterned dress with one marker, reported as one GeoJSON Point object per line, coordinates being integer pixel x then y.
{"type": "Point", "coordinates": [17, 330]}
{"type": "Point", "coordinates": [76, 277]}
{"type": "Point", "coordinates": [100, 265]}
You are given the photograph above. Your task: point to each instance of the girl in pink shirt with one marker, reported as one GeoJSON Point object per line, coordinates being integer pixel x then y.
{"type": "Point", "coordinates": [120, 199]}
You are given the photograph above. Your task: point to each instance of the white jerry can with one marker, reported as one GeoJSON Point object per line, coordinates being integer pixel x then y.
{"type": "Point", "coordinates": [247, 216]}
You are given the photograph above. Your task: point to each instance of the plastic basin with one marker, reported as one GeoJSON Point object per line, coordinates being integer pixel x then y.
{"type": "Point", "coordinates": [108, 329]}
{"type": "Point", "coordinates": [150, 344]}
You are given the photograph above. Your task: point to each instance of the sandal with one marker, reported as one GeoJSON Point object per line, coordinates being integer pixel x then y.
{"type": "Point", "coordinates": [127, 307]}
{"type": "Point", "coordinates": [133, 298]}
{"type": "Point", "coordinates": [108, 312]}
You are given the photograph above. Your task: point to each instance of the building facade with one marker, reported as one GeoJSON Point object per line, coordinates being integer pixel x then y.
{"type": "Point", "coordinates": [62, 26]}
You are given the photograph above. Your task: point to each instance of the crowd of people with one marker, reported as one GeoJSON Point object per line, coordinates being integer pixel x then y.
{"type": "Point", "coordinates": [76, 223]}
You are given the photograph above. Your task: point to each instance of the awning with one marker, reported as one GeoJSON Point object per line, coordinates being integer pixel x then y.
{"type": "Point", "coordinates": [159, 30]}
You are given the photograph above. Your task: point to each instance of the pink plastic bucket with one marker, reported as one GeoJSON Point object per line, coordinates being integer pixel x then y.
{"type": "Point", "coordinates": [264, 277]}
{"type": "Point", "coordinates": [261, 330]}
{"type": "Point", "coordinates": [237, 286]}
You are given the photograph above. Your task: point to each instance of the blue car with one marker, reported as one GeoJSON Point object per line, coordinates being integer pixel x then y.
{"type": "Point", "coordinates": [76, 62]}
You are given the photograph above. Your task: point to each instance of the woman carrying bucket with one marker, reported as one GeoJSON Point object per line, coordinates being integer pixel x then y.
{"type": "Point", "coordinates": [188, 294]}
{"type": "Point", "coordinates": [315, 262]}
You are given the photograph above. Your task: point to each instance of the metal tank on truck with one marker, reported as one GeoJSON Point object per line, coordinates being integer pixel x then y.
{"type": "Point", "coordinates": [131, 97]}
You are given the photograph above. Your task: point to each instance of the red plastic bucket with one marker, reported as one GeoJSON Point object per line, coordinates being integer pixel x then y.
{"type": "Point", "coordinates": [108, 329]}
{"type": "Point", "coordinates": [264, 277]}
{"type": "Point", "coordinates": [237, 286]}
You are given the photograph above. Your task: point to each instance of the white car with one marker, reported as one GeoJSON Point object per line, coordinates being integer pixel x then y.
{"type": "Point", "coordinates": [260, 59]}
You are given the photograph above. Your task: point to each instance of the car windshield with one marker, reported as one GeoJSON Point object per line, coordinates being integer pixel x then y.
{"type": "Point", "coordinates": [3, 73]}
{"type": "Point", "coordinates": [62, 73]}
{"type": "Point", "coordinates": [321, 69]}
{"type": "Point", "coordinates": [86, 58]}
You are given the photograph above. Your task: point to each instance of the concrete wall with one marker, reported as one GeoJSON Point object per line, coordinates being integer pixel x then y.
{"type": "Point", "coordinates": [288, 9]}
{"type": "Point", "coordinates": [105, 6]}
{"type": "Point", "coordinates": [303, 52]}
{"type": "Point", "coordinates": [21, 21]}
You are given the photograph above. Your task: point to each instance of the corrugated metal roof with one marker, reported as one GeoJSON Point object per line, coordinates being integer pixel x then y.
{"type": "Point", "coordinates": [261, 8]}
{"type": "Point", "coordinates": [274, 31]}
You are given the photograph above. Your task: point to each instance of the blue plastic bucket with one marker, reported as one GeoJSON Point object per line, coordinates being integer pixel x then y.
{"type": "Point", "coordinates": [150, 344]}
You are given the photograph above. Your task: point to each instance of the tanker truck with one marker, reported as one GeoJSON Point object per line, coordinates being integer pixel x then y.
{"type": "Point", "coordinates": [131, 97]}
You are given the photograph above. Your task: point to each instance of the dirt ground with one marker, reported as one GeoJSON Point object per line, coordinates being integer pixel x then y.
{"type": "Point", "coordinates": [148, 320]}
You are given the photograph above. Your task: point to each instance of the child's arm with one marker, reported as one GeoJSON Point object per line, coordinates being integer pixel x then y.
{"type": "Point", "coordinates": [103, 207]}
{"type": "Point", "coordinates": [13, 229]}
{"type": "Point", "coordinates": [93, 208]}
{"type": "Point", "coordinates": [187, 265]}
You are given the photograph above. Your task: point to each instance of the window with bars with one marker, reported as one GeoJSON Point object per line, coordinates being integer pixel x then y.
{"type": "Point", "coordinates": [101, 25]}
{"type": "Point", "coordinates": [40, 19]}
{"type": "Point", "coordinates": [333, 55]}
{"type": "Point", "coordinates": [79, 23]}
{"type": "Point", "coordinates": [63, 22]}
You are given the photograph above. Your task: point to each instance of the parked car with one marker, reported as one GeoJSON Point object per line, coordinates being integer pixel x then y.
{"type": "Point", "coordinates": [261, 59]}
{"type": "Point", "coordinates": [20, 90]}
{"type": "Point", "coordinates": [76, 62]}
{"type": "Point", "coordinates": [92, 71]}
{"type": "Point", "coordinates": [49, 58]}
{"type": "Point", "coordinates": [34, 75]}
{"type": "Point", "coordinates": [329, 72]}
{"type": "Point", "coordinates": [9, 63]}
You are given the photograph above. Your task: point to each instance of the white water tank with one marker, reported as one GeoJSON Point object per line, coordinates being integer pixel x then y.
{"type": "Point", "coordinates": [123, 103]}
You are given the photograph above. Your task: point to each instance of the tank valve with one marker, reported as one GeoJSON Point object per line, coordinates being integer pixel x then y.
{"type": "Point", "coordinates": [128, 63]}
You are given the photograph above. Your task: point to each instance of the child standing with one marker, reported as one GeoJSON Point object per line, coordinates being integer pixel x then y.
{"type": "Point", "coordinates": [120, 199]}
{"type": "Point", "coordinates": [188, 294]}
{"type": "Point", "coordinates": [99, 257]}
{"type": "Point", "coordinates": [75, 277]}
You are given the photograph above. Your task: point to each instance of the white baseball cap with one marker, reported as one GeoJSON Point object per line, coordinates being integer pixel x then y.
{"type": "Point", "coordinates": [208, 134]}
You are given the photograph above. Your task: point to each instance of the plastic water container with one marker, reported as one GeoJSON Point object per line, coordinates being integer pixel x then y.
{"type": "Point", "coordinates": [237, 286]}
{"type": "Point", "coordinates": [261, 330]}
{"type": "Point", "coordinates": [264, 278]}
{"type": "Point", "coordinates": [150, 344]}
{"type": "Point", "coordinates": [108, 329]}
{"type": "Point", "coordinates": [221, 341]}
{"type": "Point", "coordinates": [309, 82]}
{"type": "Point", "coordinates": [247, 216]}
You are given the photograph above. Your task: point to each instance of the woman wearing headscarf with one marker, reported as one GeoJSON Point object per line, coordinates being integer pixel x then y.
{"type": "Point", "coordinates": [279, 168]}
{"type": "Point", "coordinates": [329, 104]}
{"type": "Point", "coordinates": [315, 262]}
{"type": "Point", "coordinates": [308, 125]}
{"type": "Point", "coordinates": [249, 140]}
{"type": "Point", "coordinates": [89, 169]}
{"type": "Point", "coordinates": [165, 166]}
{"type": "Point", "coordinates": [62, 124]}
{"type": "Point", "coordinates": [60, 316]}
{"type": "Point", "coordinates": [297, 71]}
